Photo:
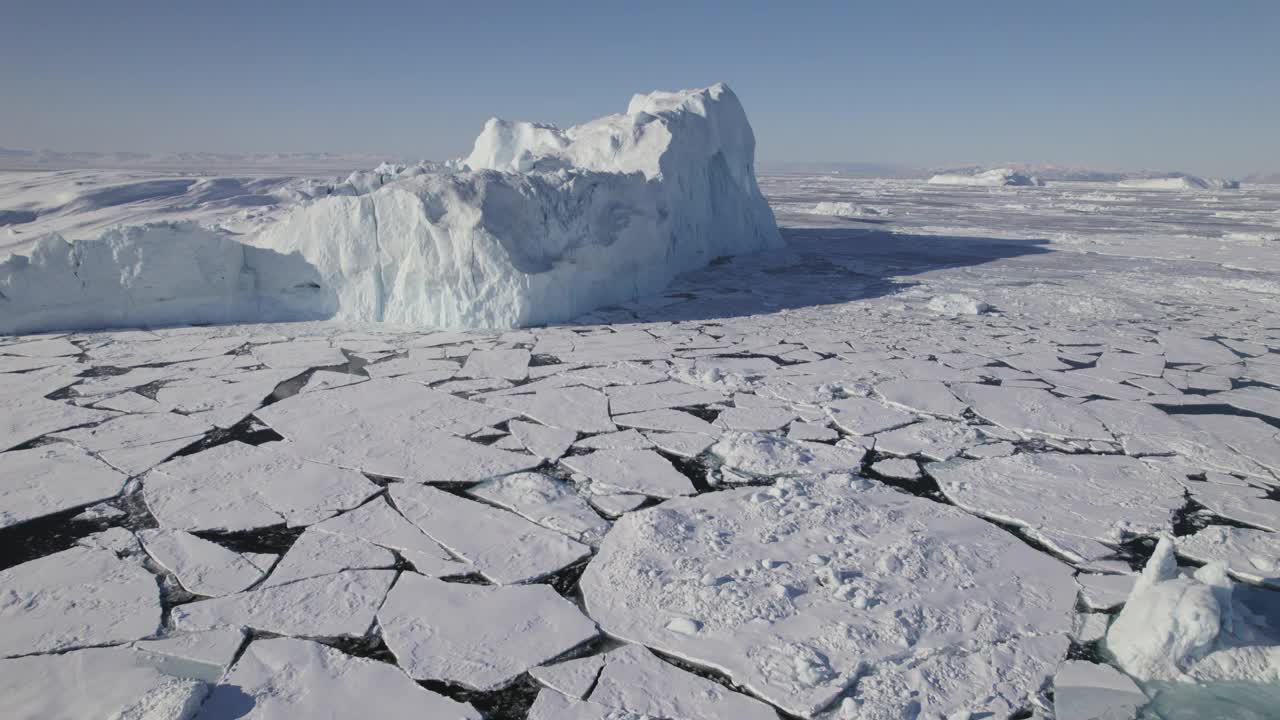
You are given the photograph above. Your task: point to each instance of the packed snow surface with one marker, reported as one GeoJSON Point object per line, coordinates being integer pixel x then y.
{"type": "Point", "coordinates": [536, 225]}
{"type": "Point", "coordinates": [906, 466]}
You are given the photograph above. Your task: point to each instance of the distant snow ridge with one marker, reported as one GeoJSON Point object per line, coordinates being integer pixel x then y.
{"type": "Point", "coordinates": [537, 225]}
{"type": "Point", "coordinates": [999, 177]}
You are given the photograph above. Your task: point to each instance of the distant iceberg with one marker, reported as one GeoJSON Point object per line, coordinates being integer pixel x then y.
{"type": "Point", "coordinates": [999, 177]}
{"type": "Point", "coordinates": [1180, 182]}
{"type": "Point", "coordinates": [536, 225]}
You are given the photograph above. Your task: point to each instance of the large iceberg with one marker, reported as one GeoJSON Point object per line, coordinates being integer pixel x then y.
{"type": "Point", "coordinates": [999, 177]}
{"type": "Point", "coordinates": [537, 225]}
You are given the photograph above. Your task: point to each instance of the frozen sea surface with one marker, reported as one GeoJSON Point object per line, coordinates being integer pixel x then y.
{"type": "Point", "coordinates": [906, 467]}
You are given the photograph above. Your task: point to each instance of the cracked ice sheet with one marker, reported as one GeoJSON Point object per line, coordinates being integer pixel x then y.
{"type": "Point", "coordinates": [136, 443]}
{"type": "Point", "coordinates": [1072, 503]}
{"type": "Point", "coordinates": [76, 598]}
{"type": "Point", "coordinates": [550, 503]}
{"type": "Point", "coordinates": [317, 553]}
{"type": "Point", "coordinates": [112, 682]}
{"type": "Point", "coordinates": [235, 486]}
{"type": "Point", "coordinates": [1031, 412]}
{"type": "Point", "coordinates": [284, 679]}
{"type": "Point", "coordinates": [202, 567]}
{"type": "Point", "coordinates": [1244, 504]}
{"type": "Point", "coordinates": [631, 674]}
{"type": "Point", "coordinates": [379, 523]}
{"type": "Point", "coordinates": [395, 429]}
{"type": "Point", "coordinates": [340, 605]}
{"type": "Point", "coordinates": [50, 479]}
{"type": "Point", "coordinates": [635, 471]}
{"type": "Point", "coordinates": [790, 592]}
{"type": "Point", "coordinates": [502, 546]}
{"type": "Point", "coordinates": [27, 418]}
{"type": "Point", "coordinates": [579, 409]}
{"type": "Point", "coordinates": [477, 636]}
{"type": "Point", "coordinates": [1251, 555]}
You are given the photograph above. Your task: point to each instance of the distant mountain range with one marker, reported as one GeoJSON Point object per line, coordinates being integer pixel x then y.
{"type": "Point", "coordinates": [1043, 171]}
{"type": "Point", "coordinates": [12, 159]}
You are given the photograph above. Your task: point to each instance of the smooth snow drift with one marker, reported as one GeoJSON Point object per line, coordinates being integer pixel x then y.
{"type": "Point", "coordinates": [536, 225]}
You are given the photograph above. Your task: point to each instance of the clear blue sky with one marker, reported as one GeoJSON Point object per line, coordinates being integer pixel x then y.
{"type": "Point", "coordinates": [1172, 84]}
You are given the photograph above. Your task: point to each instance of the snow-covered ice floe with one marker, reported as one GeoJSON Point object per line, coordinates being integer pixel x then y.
{"type": "Point", "coordinates": [536, 225]}
{"type": "Point", "coordinates": [891, 472]}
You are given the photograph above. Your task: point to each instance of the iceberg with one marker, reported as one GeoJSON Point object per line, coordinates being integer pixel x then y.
{"type": "Point", "coordinates": [536, 225]}
{"type": "Point", "coordinates": [999, 177]}
{"type": "Point", "coordinates": [1179, 182]}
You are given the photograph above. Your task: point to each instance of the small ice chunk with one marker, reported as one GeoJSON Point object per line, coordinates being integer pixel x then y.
{"type": "Point", "coordinates": [897, 468]}
{"type": "Point", "coordinates": [580, 409]}
{"type": "Point", "coordinates": [501, 545]}
{"type": "Point", "coordinates": [75, 598]}
{"type": "Point", "coordinates": [202, 567]}
{"type": "Point", "coordinates": [204, 655]}
{"type": "Point", "coordinates": [638, 471]}
{"type": "Point", "coordinates": [512, 364]}
{"type": "Point", "coordinates": [545, 442]}
{"type": "Point", "coordinates": [50, 479]}
{"type": "Point", "coordinates": [631, 674]}
{"type": "Point", "coordinates": [286, 679]}
{"type": "Point", "coordinates": [235, 486]}
{"type": "Point", "coordinates": [1088, 691]}
{"type": "Point", "coordinates": [338, 605]}
{"type": "Point", "coordinates": [109, 682]}
{"type": "Point", "coordinates": [574, 678]}
{"type": "Point", "coordinates": [317, 552]}
{"type": "Point", "coordinates": [480, 637]}
{"type": "Point", "coordinates": [379, 523]}
{"type": "Point", "coordinates": [864, 416]}
{"type": "Point", "coordinates": [550, 503]}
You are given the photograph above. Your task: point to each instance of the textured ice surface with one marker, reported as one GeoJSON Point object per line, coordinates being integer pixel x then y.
{"type": "Point", "coordinates": [791, 591]}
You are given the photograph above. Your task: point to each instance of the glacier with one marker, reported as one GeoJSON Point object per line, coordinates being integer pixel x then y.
{"type": "Point", "coordinates": [536, 225]}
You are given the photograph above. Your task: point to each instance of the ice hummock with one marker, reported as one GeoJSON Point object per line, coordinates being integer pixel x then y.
{"type": "Point", "coordinates": [537, 225]}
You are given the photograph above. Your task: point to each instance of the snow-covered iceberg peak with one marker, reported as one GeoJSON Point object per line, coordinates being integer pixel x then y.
{"type": "Point", "coordinates": [537, 225]}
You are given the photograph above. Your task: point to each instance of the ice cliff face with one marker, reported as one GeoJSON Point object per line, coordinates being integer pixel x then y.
{"type": "Point", "coordinates": [537, 225]}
